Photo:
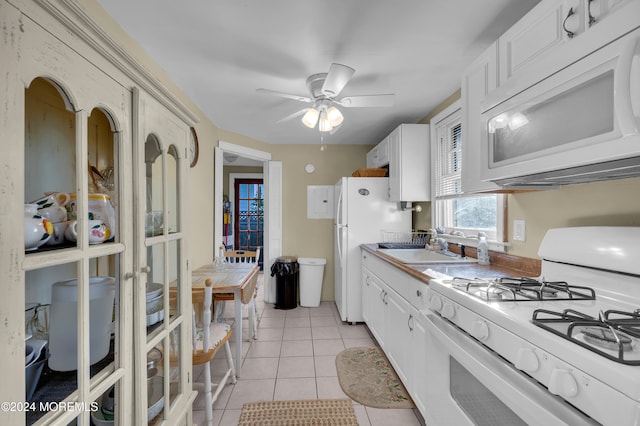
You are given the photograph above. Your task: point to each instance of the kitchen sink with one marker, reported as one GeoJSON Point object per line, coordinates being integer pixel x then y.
{"type": "Point", "coordinates": [423, 256]}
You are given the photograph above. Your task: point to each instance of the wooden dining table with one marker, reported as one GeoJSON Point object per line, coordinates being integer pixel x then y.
{"type": "Point", "coordinates": [231, 281]}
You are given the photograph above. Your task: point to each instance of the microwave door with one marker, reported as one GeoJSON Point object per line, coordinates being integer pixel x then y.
{"type": "Point", "coordinates": [581, 115]}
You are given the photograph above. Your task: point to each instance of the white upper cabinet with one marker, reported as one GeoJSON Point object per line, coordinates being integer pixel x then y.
{"type": "Point", "coordinates": [480, 78]}
{"type": "Point", "coordinates": [379, 155]}
{"type": "Point", "coordinates": [536, 34]}
{"type": "Point", "coordinates": [409, 163]}
{"type": "Point", "coordinates": [535, 37]}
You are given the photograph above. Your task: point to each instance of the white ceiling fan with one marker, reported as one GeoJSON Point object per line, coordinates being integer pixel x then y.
{"type": "Point", "coordinates": [323, 90]}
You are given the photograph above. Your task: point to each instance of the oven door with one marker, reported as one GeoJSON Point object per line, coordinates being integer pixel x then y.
{"type": "Point", "coordinates": [470, 385]}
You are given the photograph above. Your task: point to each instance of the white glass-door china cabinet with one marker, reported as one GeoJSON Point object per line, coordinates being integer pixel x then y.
{"type": "Point", "coordinates": [93, 248]}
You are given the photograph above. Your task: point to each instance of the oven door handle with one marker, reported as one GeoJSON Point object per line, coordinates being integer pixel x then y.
{"type": "Point", "coordinates": [535, 405]}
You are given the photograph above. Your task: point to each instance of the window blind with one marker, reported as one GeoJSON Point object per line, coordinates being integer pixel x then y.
{"type": "Point", "coordinates": [449, 159]}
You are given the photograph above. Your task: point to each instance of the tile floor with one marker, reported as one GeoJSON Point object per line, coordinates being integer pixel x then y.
{"type": "Point", "coordinates": [294, 358]}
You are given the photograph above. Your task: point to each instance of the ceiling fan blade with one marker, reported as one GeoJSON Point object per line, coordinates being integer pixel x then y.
{"type": "Point", "coordinates": [367, 101]}
{"type": "Point", "coordinates": [337, 77]}
{"type": "Point", "coordinates": [294, 115]}
{"type": "Point", "coordinates": [285, 95]}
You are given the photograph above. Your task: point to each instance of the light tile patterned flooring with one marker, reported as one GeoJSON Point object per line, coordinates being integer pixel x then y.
{"type": "Point", "coordinates": [294, 358]}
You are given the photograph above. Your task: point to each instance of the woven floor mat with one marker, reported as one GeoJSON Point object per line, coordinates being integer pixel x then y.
{"type": "Point", "coordinates": [331, 412]}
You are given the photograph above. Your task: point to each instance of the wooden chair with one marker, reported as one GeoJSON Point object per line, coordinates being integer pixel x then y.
{"type": "Point", "coordinates": [207, 339]}
{"type": "Point", "coordinates": [248, 297]}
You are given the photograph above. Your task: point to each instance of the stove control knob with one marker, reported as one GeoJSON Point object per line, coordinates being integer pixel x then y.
{"type": "Point", "coordinates": [562, 383]}
{"type": "Point", "coordinates": [527, 360]}
{"type": "Point", "coordinates": [480, 330]}
{"type": "Point", "coordinates": [448, 311]}
{"type": "Point", "coordinates": [435, 303]}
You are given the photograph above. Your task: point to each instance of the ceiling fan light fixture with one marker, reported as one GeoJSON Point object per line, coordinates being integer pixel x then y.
{"type": "Point", "coordinates": [334, 116]}
{"type": "Point", "coordinates": [325, 124]}
{"type": "Point", "coordinates": [310, 118]}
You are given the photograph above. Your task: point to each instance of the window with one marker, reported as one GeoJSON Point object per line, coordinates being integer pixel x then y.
{"type": "Point", "coordinates": [460, 214]}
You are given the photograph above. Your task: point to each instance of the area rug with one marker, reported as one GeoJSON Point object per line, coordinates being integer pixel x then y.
{"type": "Point", "coordinates": [366, 376]}
{"type": "Point", "coordinates": [320, 412]}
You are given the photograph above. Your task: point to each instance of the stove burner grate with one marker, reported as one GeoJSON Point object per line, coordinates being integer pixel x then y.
{"type": "Point", "coordinates": [521, 289]}
{"type": "Point", "coordinates": [608, 332]}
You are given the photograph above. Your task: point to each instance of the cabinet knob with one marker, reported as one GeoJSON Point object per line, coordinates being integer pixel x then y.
{"type": "Point", "coordinates": [129, 275]}
{"type": "Point", "coordinates": [145, 269]}
{"type": "Point", "coordinates": [418, 293]}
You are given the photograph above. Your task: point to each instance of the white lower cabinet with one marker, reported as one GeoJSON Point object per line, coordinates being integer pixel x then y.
{"type": "Point", "coordinates": [398, 332]}
{"type": "Point", "coordinates": [392, 303]}
{"type": "Point", "coordinates": [373, 304]}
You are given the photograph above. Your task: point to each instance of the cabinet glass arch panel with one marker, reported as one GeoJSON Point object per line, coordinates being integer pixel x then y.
{"type": "Point", "coordinates": [74, 298]}
{"type": "Point", "coordinates": [166, 329]}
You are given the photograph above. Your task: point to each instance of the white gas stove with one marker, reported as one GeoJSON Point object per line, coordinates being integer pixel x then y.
{"type": "Point", "coordinates": [575, 330]}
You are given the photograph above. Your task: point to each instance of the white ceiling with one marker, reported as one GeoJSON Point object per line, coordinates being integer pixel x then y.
{"type": "Point", "coordinates": [220, 51]}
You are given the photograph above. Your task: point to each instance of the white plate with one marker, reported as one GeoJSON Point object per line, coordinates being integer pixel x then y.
{"type": "Point", "coordinates": [155, 397]}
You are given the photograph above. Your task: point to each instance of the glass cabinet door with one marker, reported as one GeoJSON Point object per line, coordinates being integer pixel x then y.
{"type": "Point", "coordinates": [167, 390]}
{"type": "Point", "coordinates": [75, 258]}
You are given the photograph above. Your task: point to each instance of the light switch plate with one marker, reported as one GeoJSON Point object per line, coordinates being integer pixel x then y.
{"type": "Point", "coordinates": [519, 230]}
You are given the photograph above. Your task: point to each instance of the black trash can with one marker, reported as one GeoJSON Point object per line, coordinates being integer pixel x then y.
{"type": "Point", "coordinates": [286, 268]}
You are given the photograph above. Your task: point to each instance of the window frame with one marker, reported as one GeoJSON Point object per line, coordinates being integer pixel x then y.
{"type": "Point", "coordinates": [442, 206]}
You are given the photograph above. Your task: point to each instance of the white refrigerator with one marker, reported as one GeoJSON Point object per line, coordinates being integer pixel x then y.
{"type": "Point", "coordinates": [363, 210]}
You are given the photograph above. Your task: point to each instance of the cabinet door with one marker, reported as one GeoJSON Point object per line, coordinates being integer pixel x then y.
{"type": "Point", "coordinates": [395, 165]}
{"type": "Point", "coordinates": [372, 158]}
{"type": "Point", "coordinates": [163, 303]}
{"type": "Point", "coordinates": [375, 300]}
{"type": "Point", "coordinates": [71, 285]}
{"type": "Point", "coordinates": [409, 171]}
{"type": "Point", "coordinates": [537, 33]}
{"type": "Point", "coordinates": [398, 333]}
{"type": "Point", "coordinates": [366, 287]}
{"type": "Point", "coordinates": [480, 78]}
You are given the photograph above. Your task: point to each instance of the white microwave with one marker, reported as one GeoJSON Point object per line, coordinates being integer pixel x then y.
{"type": "Point", "coordinates": [579, 124]}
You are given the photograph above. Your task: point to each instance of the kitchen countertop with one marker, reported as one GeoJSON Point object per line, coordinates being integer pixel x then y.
{"type": "Point", "coordinates": [468, 270]}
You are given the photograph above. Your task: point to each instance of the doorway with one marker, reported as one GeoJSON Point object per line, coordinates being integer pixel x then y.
{"type": "Point", "coordinates": [272, 171]}
{"type": "Point", "coordinates": [247, 211]}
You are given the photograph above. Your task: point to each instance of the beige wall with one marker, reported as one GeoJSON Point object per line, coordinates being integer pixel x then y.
{"type": "Point", "coordinates": [611, 203]}
{"type": "Point", "coordinates": [304, 237]}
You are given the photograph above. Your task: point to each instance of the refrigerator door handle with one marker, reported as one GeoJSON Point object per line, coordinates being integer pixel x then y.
{"type": "Point", "coordinates": [339, 215]}
{"type": "Point", "coordinates": [339, 229]}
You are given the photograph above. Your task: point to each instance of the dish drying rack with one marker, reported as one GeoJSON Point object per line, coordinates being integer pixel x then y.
{"type": "Point", "coordinates": [404, 240]}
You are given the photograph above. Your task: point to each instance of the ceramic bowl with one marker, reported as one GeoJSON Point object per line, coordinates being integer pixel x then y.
{"type": "Point", "coordinates": [155, 396]}
{"type": "Point", "coordinates": [154, 290]}
{"type": "Point", "coordinates": [97, 418]}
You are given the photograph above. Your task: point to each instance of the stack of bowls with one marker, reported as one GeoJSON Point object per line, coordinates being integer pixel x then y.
{"type": "Point", "coordinates": [155, 303]}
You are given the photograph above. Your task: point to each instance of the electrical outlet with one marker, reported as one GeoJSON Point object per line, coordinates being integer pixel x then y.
{"type": "Point", "coordinates": [519, 230]}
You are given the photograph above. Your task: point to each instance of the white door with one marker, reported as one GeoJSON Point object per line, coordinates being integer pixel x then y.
{"type": "Point", "coordinates": [273, 218]}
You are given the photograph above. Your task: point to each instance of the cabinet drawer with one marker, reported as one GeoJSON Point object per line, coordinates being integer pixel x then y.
{"type": "Point", "coordinates": [410, 288]}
